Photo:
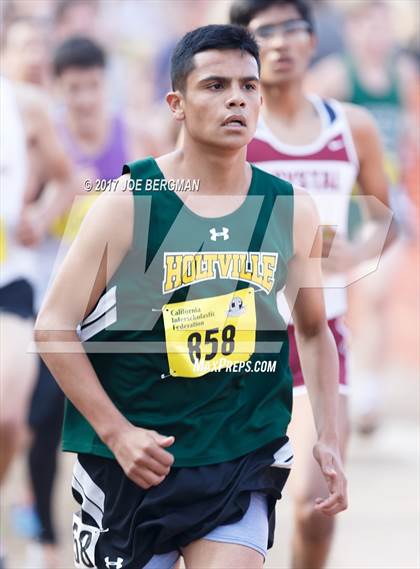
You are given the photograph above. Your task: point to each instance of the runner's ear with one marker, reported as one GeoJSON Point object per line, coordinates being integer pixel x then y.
{"type": "Point", "coordinates": [175, 103]}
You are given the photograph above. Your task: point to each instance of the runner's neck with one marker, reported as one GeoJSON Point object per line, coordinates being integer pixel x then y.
{"type": "Point", "coordinates": [219, 172]}
{"type": "Point", "coordinates": [91, 135]}
{"type": "Point", "coordinates": [284, 102]}
{"type": "Point", "coordinates": [299, 123]}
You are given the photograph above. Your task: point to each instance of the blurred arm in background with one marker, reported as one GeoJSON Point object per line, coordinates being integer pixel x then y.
{"type": "Point", "coordinates": [38, 214]}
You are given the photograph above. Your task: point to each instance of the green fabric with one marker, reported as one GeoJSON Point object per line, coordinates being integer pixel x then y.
{"type": "Point", "coordinates": [361, 96]}
{"type": "Point", "coordinates": [221, 415]}
{"type": "Point", "coordinates": [385, 107]}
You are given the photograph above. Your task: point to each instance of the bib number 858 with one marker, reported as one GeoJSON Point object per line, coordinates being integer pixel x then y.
{"type": "Point", "coordinates": [195, 341]}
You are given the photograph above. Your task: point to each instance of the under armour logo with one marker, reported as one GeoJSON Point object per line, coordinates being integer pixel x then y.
{"type": "Point", "coordinates": [117, 564]}
{"type": "Point", "coordinates": [224, 233]}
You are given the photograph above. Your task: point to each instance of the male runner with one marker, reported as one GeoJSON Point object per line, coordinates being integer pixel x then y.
{"type": "Point", "coordinates": [181, 448]}
{"type": "Point", "coordinates": [25, 52]}
{"type": "Point", "coordinates": [95, 138]}
{"type": "Point", "coordinates": [25, 122]}
{"type": "Point", "coordinates": [27, 65]}
{"type": "Point", "coordinates": [16, 273]}
{"type": "Point", "coordinates": [324, 147]}
{"type": "Point", "coordinates": [378, 75]}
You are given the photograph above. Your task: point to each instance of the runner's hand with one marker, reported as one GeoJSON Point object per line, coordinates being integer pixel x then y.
{"type": "Point", "coordinates": [141, 454]}
{"type": "Point", "coordinates": [328, 458]}
{"type": "Point", "coordinates": [30, 229]}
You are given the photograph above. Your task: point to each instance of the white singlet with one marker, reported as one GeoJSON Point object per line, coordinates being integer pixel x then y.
{"type": "Point", "coordinates": [16, 261]}
{"type": "Point", "coordinates": [327, 168]}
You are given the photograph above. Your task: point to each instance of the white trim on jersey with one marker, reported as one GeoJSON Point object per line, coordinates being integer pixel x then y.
{"type": "Point", "coordinates": [104, 322]}
{"type": "Point", "coordinates": [328, 130]}
{"type": "Point", "coordinates": [347, 135]}
{"type": "Point", "coordinates": [318, 103]}
{"type": "Point", "coordinates": [107, 301]}
{"type": "Point", "coordinates": [103, 316]}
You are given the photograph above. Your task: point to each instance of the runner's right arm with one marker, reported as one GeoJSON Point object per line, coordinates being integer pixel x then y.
{"type": "Point", "coordinates": [101, 244]}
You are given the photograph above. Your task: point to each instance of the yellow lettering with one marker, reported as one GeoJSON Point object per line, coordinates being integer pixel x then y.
{"type": "Point", "coordinates": [225, 260]}
{"type": "Point", "coordinates": [256, 277]}
{"type": "Point", "coordinates": [235, 266]}
{"type": "Point", "coordinates": [172, 272]}
{"type": "Point", "coordinates": [244, 273]}
{"type": "Point", "coordinates": [188, 269]}
{"type": "Point", "coordinates": [269, 267]}
{"type": "Point", "coordinates": [210, 259]}
{"type": "Point", "coordinates": [185, 269]}
{"type": "Point", "coordinates": [200, 273]}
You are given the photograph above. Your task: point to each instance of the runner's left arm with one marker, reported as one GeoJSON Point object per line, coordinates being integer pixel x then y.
{"type": "Point", "coordinates": [316, 346]}
{"type": "Point", "coordinates": [374, 187]}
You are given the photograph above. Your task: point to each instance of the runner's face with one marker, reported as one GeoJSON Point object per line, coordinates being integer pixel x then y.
{"type": "Point", "coordinates": [222, 98]}
{"type": "Point", "coordinates": [370, 31]}
{"type": "Point", "coordinates": [83, 91]}
{"type": "Point", "coordinates": [285, 42]}
{"type": "Point", "coordinates": [27, 52]}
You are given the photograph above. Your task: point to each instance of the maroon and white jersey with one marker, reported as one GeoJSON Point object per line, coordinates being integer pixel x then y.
{"type": "Point", "coordinates": [327, 168]}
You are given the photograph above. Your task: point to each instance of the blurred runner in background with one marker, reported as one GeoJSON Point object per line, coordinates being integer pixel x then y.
{"type": "Point", "coordinates": [324, 147]}
{"type": "Point", "coordinates": [77, 18]}
{"type": "Point", "coordinates": [94, 137]}
{"type": "Point", "coordinates": [25, 52]}
{"type": "Point", "coordinates": [48, 192]}
{"type": "Point", "coordinates": [378, 75]}
{"type": "Point", "coordinates": [28, 128]}
{"type": "Point", "coordinates": [18, 367]}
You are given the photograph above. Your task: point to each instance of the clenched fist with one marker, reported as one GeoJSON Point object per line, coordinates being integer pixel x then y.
{"type": "Point", "coordinates": [141, 454]}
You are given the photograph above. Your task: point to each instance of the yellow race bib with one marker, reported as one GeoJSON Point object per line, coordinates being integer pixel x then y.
{"type": "Point", "coordinates": [210, 334]}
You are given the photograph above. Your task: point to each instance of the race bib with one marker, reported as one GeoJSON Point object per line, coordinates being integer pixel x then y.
{"type": "Point", "coordinates": [3, 244]}
{"type": "Point", "coordinates": [85, 538]}
{"type": "Point", "coordinates": [210, 334]}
